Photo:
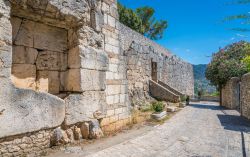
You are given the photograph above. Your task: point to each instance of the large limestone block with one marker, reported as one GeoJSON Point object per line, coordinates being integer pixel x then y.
{"type": "Point", "coordinates": [28, 111]}
{"type": "Point", "coordinates": [50, 38]}
{"type": "Point", "coordinates": [81, 107]}
{"type": "Point", "coordinates": [5, 8]}
{"type": "Point", "coordinates": [40, 36]}
{"type": "Point", "coordinates": [87, 58]}
{"type": "Point", "coordinates": [16, 23]}
{"type": "Point", "coordinates": [5, 61]}
{"type": "Point", "coordinates": [24, 55]}
{"type": "Point", "coordinates": [50, 60]}
{"type": "Point", "coordinates": [113, 89]}
{"type": "Point", "coordinates": [5, 30]}
{"type": "Point", "coordinates": [25, 35]}
{"type": "Point", "coordinates": [48, 81]}
{"type": "Point", "coordinates": [79, 80]}
{"type": "Point", "coordinates": [5, 55]}
{"type": "Point", "coordinates": [24, 76]}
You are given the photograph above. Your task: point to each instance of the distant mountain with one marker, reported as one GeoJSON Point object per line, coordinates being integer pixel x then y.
{"type": "Point", "coordinates": [200, 81]}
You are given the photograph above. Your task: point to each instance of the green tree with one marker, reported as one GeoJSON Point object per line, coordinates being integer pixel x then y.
{"type": "Point", "coordinates": [227, 63]}
{"type": "Point", "coordinates": [130, 18]}
{"type": "Point", "coordinates": [246, 61]}
{"type": "Point", "coordinates": [142, 20]}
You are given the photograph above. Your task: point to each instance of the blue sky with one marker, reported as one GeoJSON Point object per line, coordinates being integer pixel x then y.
{"type": "Point", "coordinates": [195, 27]}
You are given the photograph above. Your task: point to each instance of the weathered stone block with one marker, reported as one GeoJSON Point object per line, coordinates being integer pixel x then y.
{"type": "Point", "coordinates": [49, 60]}
{"type": "Point", "coordinates": [48, 81]}
{"type": "Point", "coordinates": [24, 55]}
{"type": "Point", "coordinates": [80, 107]}
{"type": "Point", "coordinates": [112, 49]}
{"type": "Point", "coordinates": [112, 41]}
{"type": "Point", "coordinates": [28, 111]}
{"type": "Point", "coordinates": [116, 99]}
{"type": "Point", "coordinates": [111, 21]}
{"type": "Point", "coordinates": [58, 137]}
{"type": "Point", "coordinates": [5, 30]}
{"type": "Point", "coordinates": [25, 35]}
{"type": "Point", "coordinates": [85, 80]}
{"type": "Point", "coordinates": [110, 100]}
{"type": "Point", "coordinates": [77, 133]}
{"type": "Point", "coordinates": [113, 89]}
{"type": "Point", "coordinates": [16, 23]}
{"type": "Point", "coordinates": [50, 38]}
{"type": "Point", "coordinates": [87, 58]}
{"type": "Point", "coordinates": [63, 76]}
{"type": "Point", "coordinates": [5, 56]}
{"type": "Point", "coordinates": [24, 76]}
{"type": "Point", "coordinates": [95, 129]}
{"type": "Point", "coordinates": [110, 112]}
{"type": "Point", "coordinates": [85, 130]}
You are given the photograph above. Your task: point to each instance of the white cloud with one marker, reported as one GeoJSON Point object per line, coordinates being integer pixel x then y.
{"type": "Point", "coordinates": [241, 35]}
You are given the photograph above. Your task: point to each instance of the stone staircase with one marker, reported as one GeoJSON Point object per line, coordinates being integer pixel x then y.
{"type": "Point", "coordinates": [171, 89]}
{"type": "Point", "coordinates": [161, 91]}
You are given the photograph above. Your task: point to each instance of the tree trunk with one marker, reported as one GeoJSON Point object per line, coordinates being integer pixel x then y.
{"type": "Point", "coordinates": [220, 96]}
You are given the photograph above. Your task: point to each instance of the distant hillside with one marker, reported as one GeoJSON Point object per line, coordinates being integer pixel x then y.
{"type": "Point", "coordinates": [200, 80]}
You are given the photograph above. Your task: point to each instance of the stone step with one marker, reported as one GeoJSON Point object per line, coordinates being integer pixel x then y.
{"type": "Point", "coordinates": [172, 109]}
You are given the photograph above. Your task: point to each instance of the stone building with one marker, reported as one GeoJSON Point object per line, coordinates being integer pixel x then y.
{"type": "Point", "coordinates": [66, 64]}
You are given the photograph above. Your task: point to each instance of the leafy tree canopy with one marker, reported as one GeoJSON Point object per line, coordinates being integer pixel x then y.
{"type": "Point", "coordinates": [227, 63]}
{"type": "Point", "coordinates": [142, 20]}
{"type": "Point", "coordinates": [246, 61]}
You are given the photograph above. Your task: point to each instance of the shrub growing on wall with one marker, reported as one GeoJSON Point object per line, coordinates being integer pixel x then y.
{"type": "Point", "coordinates": [227, 63]}
{"type": "Point", "coordinates": [246, 61]}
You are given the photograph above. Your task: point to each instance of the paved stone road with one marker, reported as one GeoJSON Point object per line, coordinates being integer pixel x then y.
{"type": "Point", "coordinates": [205, 130]}
{"type": "Point", "coordinates": [198, 130]}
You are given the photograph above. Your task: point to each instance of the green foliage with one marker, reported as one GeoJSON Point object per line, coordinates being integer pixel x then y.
{"type": "Point", "coordinates": [142, 20]}
{"type": "Point", "coordinates": [215, 94]}
{"type": "Point", "coordinates": [183, 98]}
{"type": "Point", "coordinates": [158, 106]}
{"type": "Point", "coordinates": [227, 63]}
{"type": "Point", "coordinates": [246, 61]}
{"type": "Point", "coordinates": [130, 18]}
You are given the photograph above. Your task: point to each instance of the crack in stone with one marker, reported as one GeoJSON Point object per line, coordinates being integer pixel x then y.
{"type": "Point", "coordinates": [1, 63]}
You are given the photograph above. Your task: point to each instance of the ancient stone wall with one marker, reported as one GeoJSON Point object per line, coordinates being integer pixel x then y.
{"type": "Point", "coordinates": [178, 74]}
{"type": "Point", "coordinates": [139, 70]}
{"type": "Point", "coordinates": [231, 94]}
{"type": "Point", "coordinates": [118, 104]}
{"type": "Point", "coordinates": [141, 53]}
{"type": "Point", "coordinates": [66, 69]}
{"type": "Point", "coordinates": [245, 96]}
{"type": "Point", "coordinates": [63, 48]}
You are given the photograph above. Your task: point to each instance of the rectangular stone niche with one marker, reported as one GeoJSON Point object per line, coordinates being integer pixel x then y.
{"type": "Point", "coordinates": [39, 58]}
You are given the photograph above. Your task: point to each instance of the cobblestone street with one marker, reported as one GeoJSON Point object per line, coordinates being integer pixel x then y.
{"type": "Point", "coordinates": [198, 130]}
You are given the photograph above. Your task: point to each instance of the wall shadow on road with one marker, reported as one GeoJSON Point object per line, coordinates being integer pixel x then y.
{"type": "Point", "coordinates": [206, 106]}
{"type": "Point", "coordinates": [236, 123]}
